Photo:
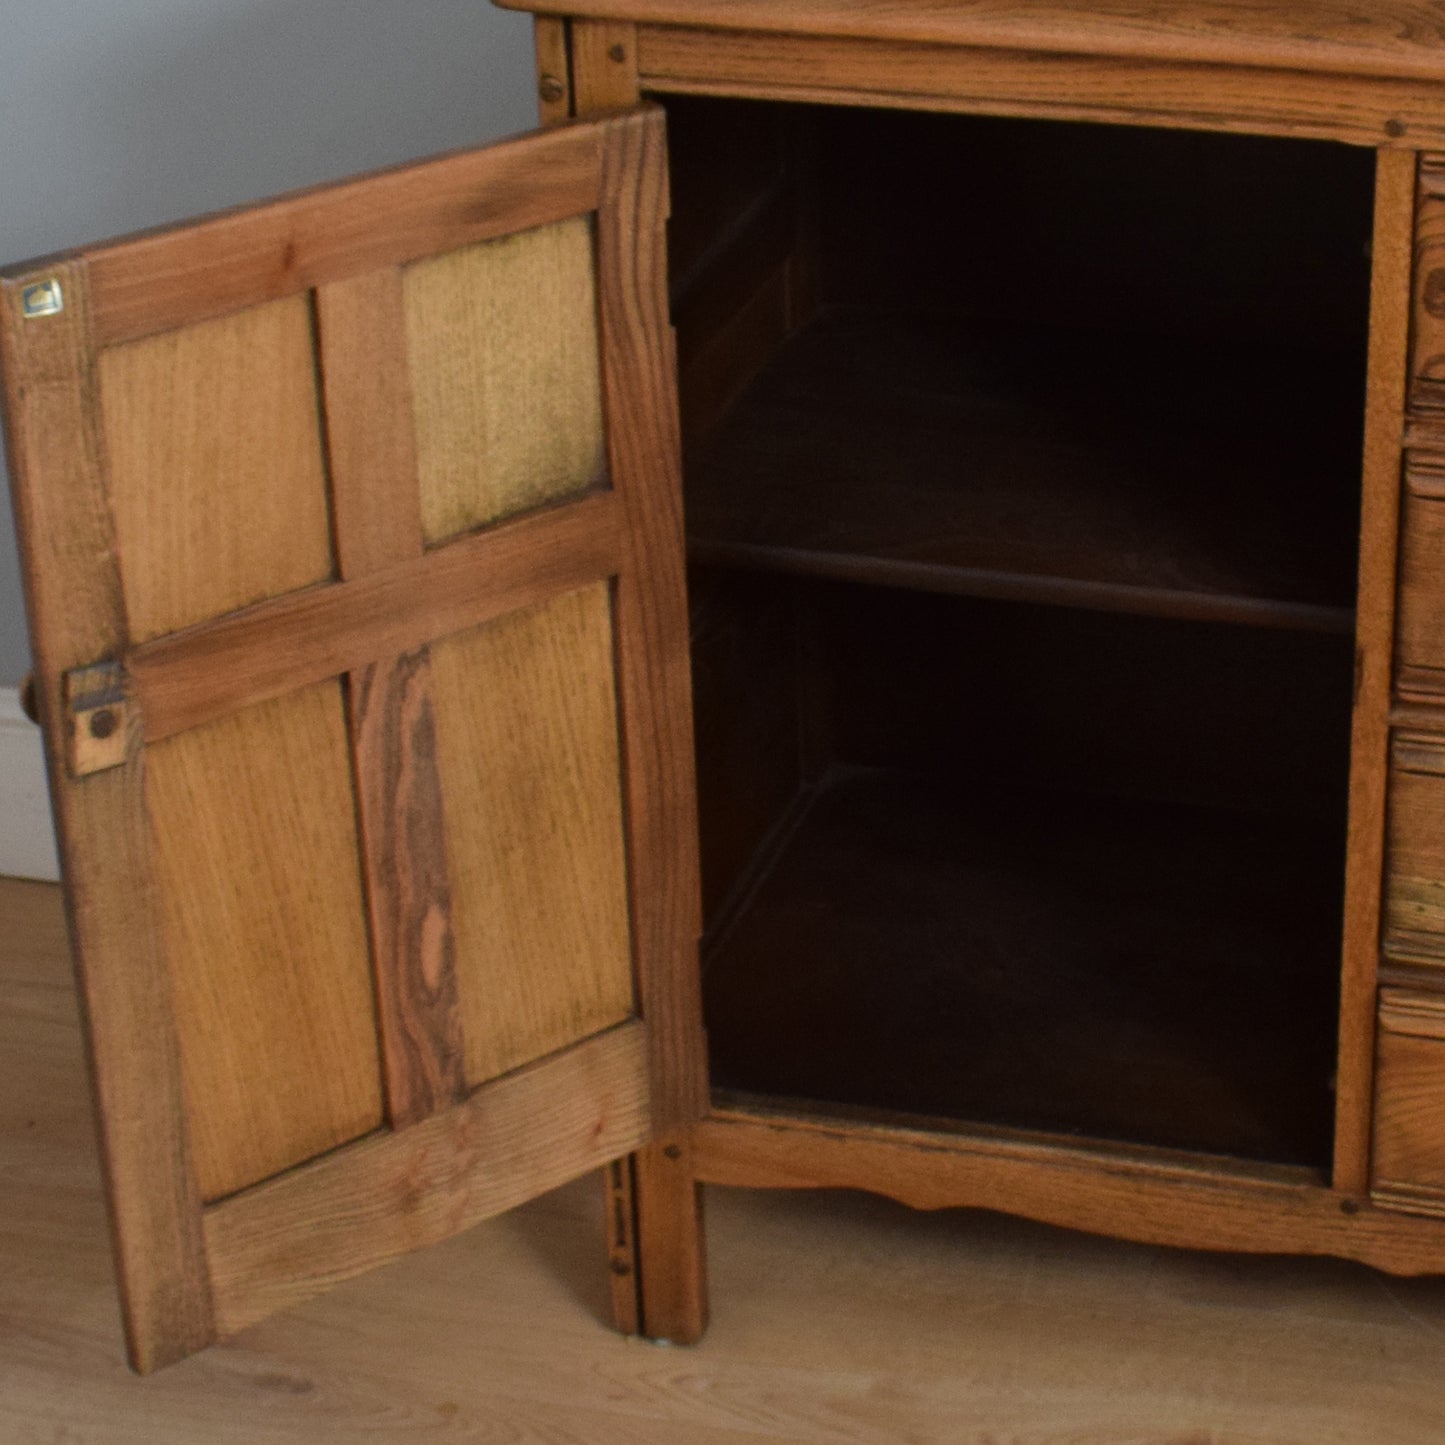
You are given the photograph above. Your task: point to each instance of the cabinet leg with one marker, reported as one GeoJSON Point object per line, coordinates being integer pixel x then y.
{"type": "Point", "coordinates": [655, 1244]}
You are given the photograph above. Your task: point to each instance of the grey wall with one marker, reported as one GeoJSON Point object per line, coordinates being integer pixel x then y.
{"type": "Point", "coordinates": [115, 117]}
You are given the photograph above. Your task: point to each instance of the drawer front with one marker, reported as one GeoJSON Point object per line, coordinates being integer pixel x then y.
{"type": "Point", "coordinates": [1408, 1165]}
{"type": "Point", "coordinates": [1415, 854]}
{"type": "Point", "coordinates": [1420, 624]}
{"type": "Point", "coordinates": [1427, 364]}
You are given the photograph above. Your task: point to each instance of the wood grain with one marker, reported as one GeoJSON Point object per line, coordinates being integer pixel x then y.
{"type": "Point", "coordinates": [1414, 889]}
{"type": "Point", "coordinates": [528, 756]}
{"type": "Point", "coordinates": [672, 1250]}
{"type": "Point", "coordinates": [1374, 661]}
{"type": "Point", "coordinates": [77, 616]}
{"type": "Point", "coordinates": [264, 925]}
{"type": "Point", "coordinates": [213, 436]}
{"type": "Point", "coordinates": [370, 444]}
{"type": "Point", "coordinates": [275, 1245]}
{"type": "Point", "coordinates": [376, 511]}
{"type": "Point", "coordinates": [1427, 354]}
{"type": "Point", "coordinates": [654, 685]}
{"type": "Point", "coordinates": [206, 672]}
{"type": "Point", "coordinates": [1420, 639]}
{"type": "Point", "coordinates": [620, 1225]}
{"type": "Point", "coordinates": [1107, 88]}
{"type": "Point", "coordinates": [1182, 1202]}
{"type": "Point", "coordinates": [506, 395]}
{"type": "Point", "coordinates": [236, 259]}
{"type": "Point", "coordinates": [604, 66]}
{"type": "Point", "coordinates": [408, 886]}
{"type": "Point", "coordinates": [554, 69]}
{"type": "Point", "coordinates": [1409, 1139]}
{"type": "Point", "coordinates": [1396, 37]}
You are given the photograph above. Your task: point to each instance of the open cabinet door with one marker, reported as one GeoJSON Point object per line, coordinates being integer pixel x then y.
{"type": "Point", "coordinates": [352, 535]}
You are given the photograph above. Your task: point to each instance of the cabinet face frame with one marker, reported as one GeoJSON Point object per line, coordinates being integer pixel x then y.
{"type": "Point", "coordinates": [1208, 1204]}
{"type": "Point", "coordinates": [354, 629]}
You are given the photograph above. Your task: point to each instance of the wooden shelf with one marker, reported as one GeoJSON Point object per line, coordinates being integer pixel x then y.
{"type": "Point", "coordinates": [1085, 966]}
{"type": "Point", "coordinates": [1120, 473]}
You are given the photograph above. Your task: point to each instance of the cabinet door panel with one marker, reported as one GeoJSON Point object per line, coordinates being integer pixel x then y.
{"type": "Point", "coordinates": [353, 548]}
{"type": "Point", "coordinates": [543, 938]}
{"type": "Point", "coordinates": [1420, 626]}
{"type": "Point", "coordinates": [1415, 851]}
{"type": "Point", "coordinates": [1408, 1169]}
{"type": "Point", "coordinates": [508, 396]}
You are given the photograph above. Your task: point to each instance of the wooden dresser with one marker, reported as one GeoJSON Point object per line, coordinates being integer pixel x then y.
{"type": "Point", "coordinates": [864, 609]}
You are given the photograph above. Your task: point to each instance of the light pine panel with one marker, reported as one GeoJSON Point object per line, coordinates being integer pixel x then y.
{"type": "Point", "coordinates": [506, 393]}
{"type": "Point", "coordinates": [253, 824]}
{"type": "Point", "coordinates": [528, 746]}
{"type": "Point", "coordinates": [216, 478]}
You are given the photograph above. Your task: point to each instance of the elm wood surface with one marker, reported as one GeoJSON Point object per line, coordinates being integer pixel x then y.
{"type": "Point", "coordinates": [376, 519]}
{"type": "Point", "coordinates": [180, 275]}
{"type": "Point", "coordinates": [285, 1239]}
{"type": "Point", "coordinates": [1151, 1196]}
{"type": "Point", "coordinates": [1392, 38]}
{"type": "Point", "coordinates": [77, 615]}
{"type": "Point", "coordinates": [1380, 520]}
{"type": "Point", "coordinates": [1420, 631]}
{"type": "Point", "coordinates": [262, 652]}
{"type": "Point", "coordinates": [281, 856]}
{"type": "Point", "coordinates": [1414, 883]}
{"type": "Point", "coordinates": [1043, 465]}
{"type": "Point", "coordinates": [1120, 90]}
{"type": "Point", "coordinates": [1427, 352]}
{"type": "Point", "coordinates": [1408, 1167]}
{"type": "Point", "coordinates": [654, 691]}
{"type": "Point", "coordinates": [1079, 965]}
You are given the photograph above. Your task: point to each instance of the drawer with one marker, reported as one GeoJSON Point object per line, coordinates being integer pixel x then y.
{"type": "Point", "coordinates": [1427, 361]}
{"type": "Point", "coordinates": [1420, 624]}
{"type": "Point", "coordinates": [1415, 851]}
{"type": "Point", "coordinates": [1408, 1160]}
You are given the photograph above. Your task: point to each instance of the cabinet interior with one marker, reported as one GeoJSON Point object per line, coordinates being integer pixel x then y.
{"type": "Point", "coordinates": [1022, 491]}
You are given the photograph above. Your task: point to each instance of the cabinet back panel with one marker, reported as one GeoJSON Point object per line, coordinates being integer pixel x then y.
{"type": "Point", "coordinates": [1184, 712]}
{"type": "Point", "coordinates": [1097, 227]}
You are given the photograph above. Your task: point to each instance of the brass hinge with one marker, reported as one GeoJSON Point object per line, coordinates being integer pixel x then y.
{"type": "Point", "coordinates": [99, 718]}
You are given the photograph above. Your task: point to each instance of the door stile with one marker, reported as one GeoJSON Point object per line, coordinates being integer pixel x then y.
{"type": "Point", "coordinates": [651, 627]}
{"type": "Point", "coordinates": [1385, 404]}
{"type": "Point", "coordinates": [376, 521]}
{"type": "Point", "coordinates": [77, 617]}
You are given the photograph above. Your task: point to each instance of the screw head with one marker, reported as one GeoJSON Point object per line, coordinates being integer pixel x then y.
{"type": "Point", "coordinates": [673, 1151]}
{"type": "Point", "coordinates": [1395, 128]}
{"type": "Point", "coordinates": [617, 53]}
{"type": "Point", "coordinates": [551, 89]}
{"type": "Point", "coordinates": [103, 723]}
{"type": "Point", "coordinates": [45, 298]}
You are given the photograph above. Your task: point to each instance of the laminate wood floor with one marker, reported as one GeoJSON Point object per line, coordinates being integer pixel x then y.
{"type": "Point", "coordinates": [835, 1318]}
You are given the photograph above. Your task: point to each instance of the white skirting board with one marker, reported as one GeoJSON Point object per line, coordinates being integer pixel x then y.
{"type": "Point", "coordinates": [27, 838]}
